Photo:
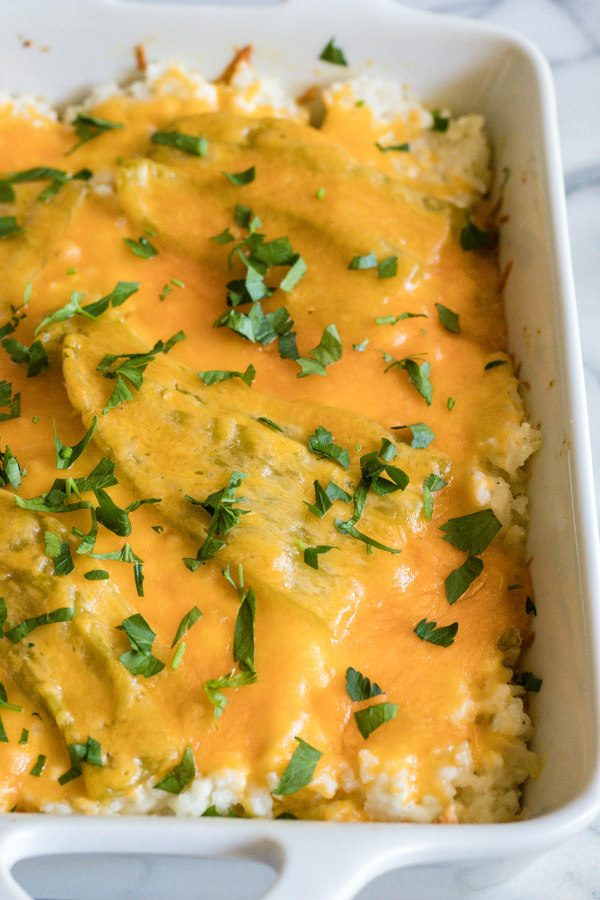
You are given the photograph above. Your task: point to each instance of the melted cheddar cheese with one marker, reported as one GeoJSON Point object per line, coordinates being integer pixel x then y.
{"type": "Point", "coordinates": [335, 196]}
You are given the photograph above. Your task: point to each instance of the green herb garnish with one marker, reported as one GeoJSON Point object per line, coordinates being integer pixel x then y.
{"type": "Point", "coordinates": [311, 554]}
{"type": "Point", "coordinates": [66, 456]}
{"type": "Point", "coordinates": [221, 506]}
{"type": "Point", "coordinates": [119, 294]}
{"type": "Point", "coordinates": [8, 400]}
{"type": "Point", "coordinates": [362, 346]}
{"type": "Point", "coordinates": [393, 320]}
{"type": "Point", "coordinates": [186, 623]}
{"type": "Point", "coordinates": [431, 484]}
{"type": "Point", "coordinates": [87, 128]}
{"type": "Point", "coordinates": [18, 632]}
{"type": "Point", "coordinates": [9, 227]}
{"type": "Point", "coordinates": [359, 687]}
{"type": "Point", "coordinates": [374, 716]}
{"type": "Point", "coordinates": [494, 363]}
{"type": "Point", "coordinates": [269, 423]}
{"type": "Point", "coordinates": [139, 660]}
{"type": "Point", "coordinates": [368, 261]}
{"type": "Point", "coordinates": [130, 372]}
{"type": "Point", "coordinates": [142, 247]}
{"type": "Point", "coordinates": [321, 443]}
{"type": "Point", "coordinates": [448, 318]}
{"type": "Point", "coordinates": [187, 143]}
{"type": "Point", "coordinates": [214, 376]}
{"type": "Point", "coordinates": [96, 575]}
{"type": "Point", "coordinates": [401, 148]}
{"type": "Point", "coordinates": [442, 636]}
{"type": "Point", "coordinates": [530, 606]}
{"type": "Point", "coordinates": [59, 552]}
{"type": "Point", "coordinates": [39, 766]}
{"type": "Point", "coordinates": [348, 528]}
{"type": "Point", "coordinates": [241, 178]}
{"type": "Point", "coordinates": [459, 580]}
{"type": "Point", "coordinates": [300, 769]}
{"type": "Point", "coordinates": [473, 238]}
{"type": "Point", "coordinates": [224, 237]}
{"type": "Point", "coordinates": [331, 53]}
{"type": "Point", "coordinates": [35, 355]}
{"type": "Point", "coordinates": [214, 688]}
{"type": "Point", "coordinates": [418, 373]}
{"type": "Point", "coordinates": [11, 472]}
{"type": "Point", "coordinates": [528, 681]}
{"type": "Point", "coordinates": [450, 403]}
{"type": "Point", "coordinates": [472, 533]}
{"type": "Point", "coordinates": [388, 267]}
{"type": "Point", "coordinates": [422, 434]}
{"type": "Point", "coordinates": [440, 122]}
{"type": "Point", "coordinates": [328, 351]}
{"type": "Point", "coordinates": [125, 554]}
{"type": "Point", "coordinates": [180, 775]}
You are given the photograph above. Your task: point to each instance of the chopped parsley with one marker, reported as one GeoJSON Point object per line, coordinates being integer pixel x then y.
{"type": "Point", "coordinates": [362, 346]}
{"type": "Point", "coordinates": [112, 516]}
{"type": "Point", "coordinates": [494, 363]}
{"type": "Point", "coordinates": [300, 769]}
{"type": "Point", "coordinates": [9, 227]}
{"type": "Point", "coordinates": [119, 294]}
{"type": "Point", "coordinates": [187, 143]}
{"type": "Point", "coordinates": [431, 484]}
{"type": "Point", "coordinates": [221, 506]}
{"type": "Point", "coordinates": [388, 267]}
{"type": "Point", "coordinates": [35, 355]}
{"type": "Point", "coordinates": [224, 237]}
{"type": "Point", "coordinates": [66, 456]}
{"type": "Point", "coordinates": [373, 717]}
{"type": "Point", "coordinates": [473, 238]}
{"type": "Point", "coordinates": [59, 552]}
{"type": "Point", "coordinates": [214, 688]}
{"type": "Point", "coordinates": [422, 434]}
{"type": "Point", "coordinates": [269, 423]}
{"type": "Point", "coordinates": [418, 374]}
{"type": "Point", "coordinates": [530, 606]}
{"type": "Point", "coordinates": [328, 351]}
{"type": "Point", "coordinates": [241, 178]}
{"type": "Point", "coordinates": [7, 399]}
{"type": "Point", "coordinates": [472, 533]}
{"type": "Point", "coordinates": [459, 580]}
{"type": "Point", "coordinates": [321, 443]}
{"type": "Point", "coordinates": [4, 704]}
{"type": "Point", "coordinates": [348, 528]}
{"type": "Point", "coordinates": [320, 193]}
{"type": "Point", "coordinates": [359, 687]}
{"type": "Point", "coordinates": [130, 372]}
{"type": "Point", "coordinates": [180, 776]}
{"type": "Point", "coordinates": [333, 54]}
{"type": "Point", "coordinates": [243, 638]}
{"type": "Point", "coordinates": [167, 288]}
{"type": "Point", "coordinates": [18, 632]}
{"type": "Point", "coordinates": [448, 318]}
{"type": "Point", "coordinates": [186, 623]}
{"type": "Point", "coordinates": [213, 376]}
{"type": "Point", "coordinates": [401, 148]}
{"type": "Point", "coordinates": [90, 753]}
{"type": "Point", "coordinates": [11, 472]}
{"type": "Point", "coordinates": [393, 320]}
{"type": "Point", "coordinates": [311, 554]}
{"type": "Point", "coordinates": [24, 736]}
{"type": "Point", "coordinates": [442, 636]}
{"type": "Point", "coordinates": [368, 261]}
{"type": "Point", "coordinates": [450, 403]}
{"type": "Point", "coordinates": [142, 247]}
{"type": "Point", "coordinates": [139, 660]}
{"type": "Point", "coordinates": [440, 122]}
{"type": "Point", "coordinates": [528, 681]}
{"type": "Point", "coordinates": [96, 575]}
{"type": "Point", "coordinates": [125, 554]}
{"type": "Point", "coordinates": [88, 127]}
{"type": "Point", "coordinates": [39, 766]}
{"type": "Point", "coordinates": [325, 497]}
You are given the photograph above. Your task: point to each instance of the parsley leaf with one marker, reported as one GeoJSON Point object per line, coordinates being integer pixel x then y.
{"type": "Point", "coordinates": [269, 423]}
{"type": "Point", "coordinates": [311, 554]}
{"type": "Point", "coordinates": [10, 469]}
{"type": "Point", "coordinates": [35, 356]}
{"type": "Point", "coordinates": [528, 681]}
{"type": "Point", "coordinates": [460, 579]}
{"type": "Point", "coordinates": [130, 372]}
{"type": "Point", "coordinates": [243, 638]}
{"type": "Point", "coordinates": [349, 529]}
{"type": "Point", "coordinates": [60, 552]}
{"type": "Point", "coordinates": [442, 636]}
{"type": "Point", "coordinates": [418, 374]}
{"type": "Point", "coordinates": [180, 775]}
{"type": "Point", "coordinates": [18, 632]}
{"type": "Point", "coordinates": [224, 237]}
{"type": "Point", "coordinates": [66, 456]}
{"type": "Point", "coordinates": [96, 575]}
{"type": "Point", "coordinates": [431, 484]}
{"type": "Point", "coordinates": [213, 376]}
{"type": "Point", "coordinates": [142, 247]}
{"type": "Point", "coordinates": [214, 688]}
{"type": "Point", "coordinates": [186, 623]}
{"type": "Point", "coordinates": [402, 148]}
{"type": "Point", "coordinates": [359, 687]}
{"type": "Point", "coordinates": [88, 127]}
{"type": "Point", "coordinates": [374, 716]}
{"type": "Point", "coordinates": [112, 516]}
{"type": "Point", "coordinates": [422, 434]}
{"type": "Point", "coordinates": [440, 122]}
{"type": "Point", "coordinates": [473, 238]}
{"type": "Point", "coordinates": [300, 769]}
{"type": "Point", "coordinates": [139, 660]}
{"type": "Point", "coordinates": [9, 227]}
{"type": "Point", "coordinates": [321, 443]}
{"type": "Point", "coordinates": [328, 351]}
{"type": "Point", "coordinates": [362, 346]}
{"type": "Point", "coordinates": [393, 320]}
{"type": "Point", "coordinates": [494, 363]}
{"type": "Point", "coordinates": [368, 261]}
{"type": "Point", "coordinates": [8, 400]}
{"type": "Point", "coordinates": [125, 554]}
{"type": "Point", "coordinates": [224, 516]}
{"type": "Point", "coordinates": [472, 533]}
{"type": "Point", "coordinates": [241, 178]}
{"type": "Point", "coordinates": [187, 143]}
{"type": "Point", "coordinates": [333, 54]}
{"type": "Point", "coordinates": [388, 267]}
{"type": "Point", "coordinates": [39, 766]}
{"type": "Point", "coordinates": [448, 318]}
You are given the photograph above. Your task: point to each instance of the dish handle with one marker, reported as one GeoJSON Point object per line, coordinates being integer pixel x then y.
{"type": "Point", "coordinates": [320, 860]}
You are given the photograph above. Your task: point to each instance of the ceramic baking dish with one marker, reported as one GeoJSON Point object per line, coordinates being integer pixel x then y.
{"type": "Point", "coordinates": [470, 67]}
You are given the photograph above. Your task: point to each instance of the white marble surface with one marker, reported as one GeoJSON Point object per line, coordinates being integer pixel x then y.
{"type": "Point", "coordinates": [568, 32]}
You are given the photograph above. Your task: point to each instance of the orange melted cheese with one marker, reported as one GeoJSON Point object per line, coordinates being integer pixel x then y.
{"type": "Point", "coordinates": [300, 687]}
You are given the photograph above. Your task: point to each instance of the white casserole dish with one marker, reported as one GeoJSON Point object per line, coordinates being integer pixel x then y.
{"type": "Point", "coordinates": [472, 68]}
